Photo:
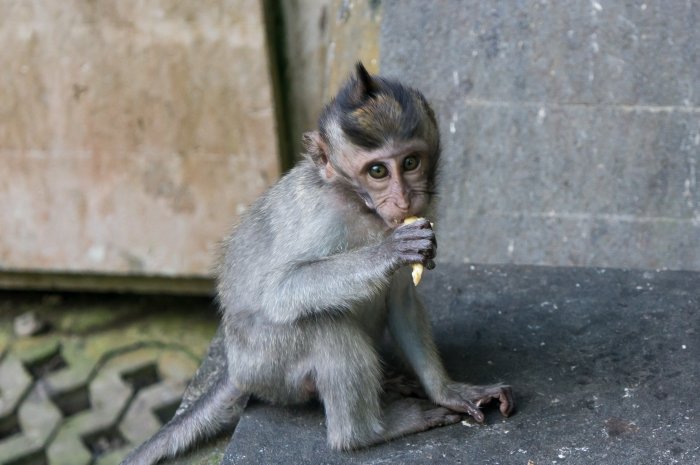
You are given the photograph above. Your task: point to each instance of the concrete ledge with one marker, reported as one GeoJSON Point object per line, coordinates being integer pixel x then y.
{"type": "Point", "coordinates": [603, 363]}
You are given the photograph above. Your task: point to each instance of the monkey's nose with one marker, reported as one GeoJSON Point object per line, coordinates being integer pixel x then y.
{"type": "Point", "coordinates": [403, 204]}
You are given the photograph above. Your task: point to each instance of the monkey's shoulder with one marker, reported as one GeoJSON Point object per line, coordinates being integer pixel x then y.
{"type": "Point", "coordinates": [305, 215]}
{"type": "Point", "coordinates": [291, 216]}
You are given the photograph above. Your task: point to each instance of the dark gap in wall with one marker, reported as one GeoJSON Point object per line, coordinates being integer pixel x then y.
{"type": "Point", "coordinates": [275, 33]}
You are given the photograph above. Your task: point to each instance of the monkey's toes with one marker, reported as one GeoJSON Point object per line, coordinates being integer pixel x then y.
{"type": "Point", "coordinates": [503, 394]}
{"type": "Point", "coordinates": [506, 399]}
{"type": "Point", "coordinates": [441, 416]}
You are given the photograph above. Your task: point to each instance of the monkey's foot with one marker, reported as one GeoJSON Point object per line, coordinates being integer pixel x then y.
{"type": "Point", "coordinates": [468, 399]}
{"type": "Point", "coordinates": [397, 384]}
{"type": "Point", "coordinates": [410, 415]}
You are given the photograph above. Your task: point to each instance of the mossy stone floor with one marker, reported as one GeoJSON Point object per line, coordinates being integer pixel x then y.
{"type": "Point", "coordinates": [104, 373]}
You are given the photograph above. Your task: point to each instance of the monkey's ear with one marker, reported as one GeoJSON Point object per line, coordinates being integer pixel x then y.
{"type": "Point", "coordinates": [315, 147]}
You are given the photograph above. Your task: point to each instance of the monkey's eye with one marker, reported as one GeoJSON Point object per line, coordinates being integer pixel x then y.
{"type": "Point", "coordinates": [410, 163]}
{"type": "Point", "coordinates": [378, 171]}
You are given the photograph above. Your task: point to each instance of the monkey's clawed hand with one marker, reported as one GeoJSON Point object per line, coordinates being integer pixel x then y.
{"type": "Point", "coordinates": [466, 398]}
{"type": "Point", "coordinates": [412, 243]}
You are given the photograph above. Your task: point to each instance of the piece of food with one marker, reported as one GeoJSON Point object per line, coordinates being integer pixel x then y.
{"type": "Point", "coordinates": [417, 272]}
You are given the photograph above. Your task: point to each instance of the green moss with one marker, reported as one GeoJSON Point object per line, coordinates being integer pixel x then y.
{"type": "Point", "coordinates": [85, 320]}
{"type": "Point", "coordinates": [32, 350]}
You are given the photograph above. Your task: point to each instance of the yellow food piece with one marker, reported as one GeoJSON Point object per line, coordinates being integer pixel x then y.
{"type": "Point", "coordinates": [417, 272]}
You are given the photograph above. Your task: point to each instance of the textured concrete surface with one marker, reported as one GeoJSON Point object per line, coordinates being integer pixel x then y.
{"type": "Point", "coordinates": [603, 363]}
{"type": "Point", "coordinates": [131, 133]}
{"type": "Point", "coordinates": [571, 129]}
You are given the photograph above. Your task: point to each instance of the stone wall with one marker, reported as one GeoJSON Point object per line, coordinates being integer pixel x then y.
{"type": "Point", "coordinates": [571, 129]}
{"type": "Point", "coordinates": [131, 133]}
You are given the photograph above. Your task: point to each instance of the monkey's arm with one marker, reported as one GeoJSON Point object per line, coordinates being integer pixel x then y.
{"type": "Point", "coordinates": [410, 328]}
{"type": "Point", "coordinates": [336, 282]}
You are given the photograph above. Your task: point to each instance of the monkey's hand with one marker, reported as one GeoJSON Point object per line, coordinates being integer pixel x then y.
{"type": "Point", "coordinates": [412, 243]}
{"type": "Point", "coordinates": [418, 268]}
{"type": "Point", "coordinates": [468, 399]}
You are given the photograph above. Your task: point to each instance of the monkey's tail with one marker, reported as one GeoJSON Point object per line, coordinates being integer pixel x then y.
{"type": "Point", "coordinates": [222, 404]}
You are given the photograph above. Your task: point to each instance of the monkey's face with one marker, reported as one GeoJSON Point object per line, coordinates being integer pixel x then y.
{"type": "Point", "coordinates": [393, 180]}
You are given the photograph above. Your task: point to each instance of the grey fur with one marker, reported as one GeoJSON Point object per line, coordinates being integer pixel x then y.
{"type": "Point", "coordinates": [310, 280]}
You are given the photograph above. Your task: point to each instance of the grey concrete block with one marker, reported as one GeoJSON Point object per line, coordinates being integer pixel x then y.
{"type": "Point", "coordinates": [572, 186]}
{"type": "Point", "coordinates": [571, 129]}
{"type": "Point", "coordinates": [613, 52]}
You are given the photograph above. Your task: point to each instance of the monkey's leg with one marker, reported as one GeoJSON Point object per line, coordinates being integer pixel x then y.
{"type": "Point", "coordinates": [349, 384]}
{"type": "Point", "coordinates": [410, 328]}
{"type": "Point", "coordinates": [222, 404]}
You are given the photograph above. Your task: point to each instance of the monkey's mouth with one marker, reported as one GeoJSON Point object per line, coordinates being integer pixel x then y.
{"type": "Point", "coordinates": [398, 221]}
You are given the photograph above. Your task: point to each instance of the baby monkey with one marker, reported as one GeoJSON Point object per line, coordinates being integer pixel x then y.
{"type": "Point", "coordinates": [316, 270]}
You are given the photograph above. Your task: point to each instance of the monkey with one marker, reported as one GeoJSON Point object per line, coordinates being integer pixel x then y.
{"type": "Point", "coordinates": [316, 270]}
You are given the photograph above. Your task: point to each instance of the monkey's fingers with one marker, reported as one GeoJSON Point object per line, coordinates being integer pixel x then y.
{"type": "Point", "coordinates": [459, 403]}
{"type": "Point", "coordinates": [503, 394]}
{"type": "Point", "coordinates": [417, 272]}
{"type": "Point", "coordinates": [473, 411]}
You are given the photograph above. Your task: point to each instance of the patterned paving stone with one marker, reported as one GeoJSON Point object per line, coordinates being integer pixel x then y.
{"type": "Point", "coordinates": [38, 418]}
{"type": "Point", "coordinates": [14, 383]}
{"type": "Point", "coordinates": [127, 389]}
{"type": "Point", "coordinates": [126, 400]}
{"type": "Point", "coordinates": [104, 375]}
{"type": "Point", "coordinates": [150, 408]}
{"type": "Point", "coordinates": [109, 396]}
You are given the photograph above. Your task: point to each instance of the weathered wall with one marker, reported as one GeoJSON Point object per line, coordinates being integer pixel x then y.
{"type": "Point", "coordinates": [571, 129]}
{"type": "Point", "coordinates": [321, 41]}
{"type": "Point", "coordinates": [131, 133]}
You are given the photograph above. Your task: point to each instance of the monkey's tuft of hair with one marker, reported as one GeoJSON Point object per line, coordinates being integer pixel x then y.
{"type": "Point", "coordinates": [371, 110]}
{"type": "Point", "coordinates": [366, 85]}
